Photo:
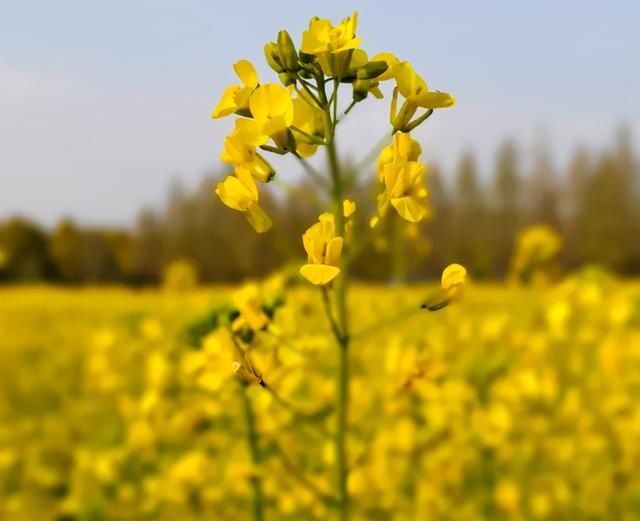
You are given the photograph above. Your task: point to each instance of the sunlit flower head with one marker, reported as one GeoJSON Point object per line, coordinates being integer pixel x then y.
{"type": "Point", "coordinates": [236, 97]}
{"type": "Point", "coordinates": [241, 193]}
{"type": "Point", "coordinates": [323, 249]}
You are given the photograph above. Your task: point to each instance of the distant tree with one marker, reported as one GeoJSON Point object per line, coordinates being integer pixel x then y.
{"type": "Point", "coordinates": [543, 189]}
{"type": "Point", "coordinates": [148, 248]}
{"type": "Point", "coordinates": [439, 228]}
{"type": "Point", "coordinates": [26, 251]}
{"type": "Point", "coordinates": [469, 221]}
{"type": "Point", "coordinates": [506, 206]}
{"type": "Point", "coordinates": [66, 246]}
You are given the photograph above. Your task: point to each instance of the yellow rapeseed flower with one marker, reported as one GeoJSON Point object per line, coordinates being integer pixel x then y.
{"type": "Point", "coordinates": [348, 207]}
{"type": "Point", "coordinates": [241, 193]}
{"type": "Point", "coordinates": [453, 281]}
{"type": "Point", "coordinates": [323, 249]}
{"type": "Point", "coordinates": [247, 300]}
{"type": "Point", "coordinates": [272, 108]}
{"type": "Point", "coordinates": [404, 148]}
{"type": "Point", "coordinates": [404, 190]}
{"type": "Point", "coordinates": [236, 98]}
{"type": "Point", "coordinates": [323, 37]}
{"type": "Point", "coordinates": [415, 91]}
{"type": "Point", "coordinates": [243, 156]}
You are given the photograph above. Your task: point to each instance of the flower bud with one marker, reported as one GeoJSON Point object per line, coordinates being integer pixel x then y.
{"type": "Point", "coordinates": [272, 56]}
{"type": "Point", "coordinates": [287, 52]}
{"type": "Point", "coordinates": [261, 169]}
{"type": "Point", "coordinates": [304, 73]}
{"type": "Point", "coordinates": [286, 78]}
{"type": "Point", "coordinates": [361, 85]}
{"type": "Point", "coordinates": [307, 58]}
{"type": "Point", "coordinates": [375, 69]}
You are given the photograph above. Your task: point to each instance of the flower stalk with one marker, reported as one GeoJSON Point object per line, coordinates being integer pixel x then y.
{"type": "Point", "coordinates": [254, 453]}
{"type": "Point", "coordinates": [296, 117]}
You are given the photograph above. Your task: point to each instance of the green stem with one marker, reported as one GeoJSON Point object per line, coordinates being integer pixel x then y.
{"type": "Point", "coordinates": [342, 339]}
{"type": "Point", "coordinates": [254, 451]}
{"type": "Point", "coordinates": [312, 139]}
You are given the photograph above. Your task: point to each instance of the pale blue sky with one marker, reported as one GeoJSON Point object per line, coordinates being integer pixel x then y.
{"type": "Point", "coordinates": [102, 103]}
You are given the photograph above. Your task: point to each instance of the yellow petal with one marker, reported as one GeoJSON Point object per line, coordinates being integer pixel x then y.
{"type": "Point", "coordinates": [390, 60]}
{"type": "Point", "coordinates": [258, 218]}
{"type": "Point", "coordinates": [409, 209]}
{"type": "Point", "coordinates": [453, 281]}
{"type": "Point", "coordinates": [227, 104]}
{"type": "Point", "coordinates": [348, 207]}
{"type": "Point", "coordinates": [272, 107]}
{"type": "Point", "coordinates": [334, 249]}
{"type": "Point", "coordinates": [435, 100]}
{"type": "Point", "coordinates": [316, 39]}
{"type": "Point", "coordinates": [236, 194]}
{"type": "Point", "coordinates": [247, 73]}
{"type": "Point", "coordinates": [408, 81]}
{"type": "Point", "coordinates": [306, 150]}
{"type": "Point", "coordinates": [359, 58]}
{"type": "Point", "coordinates": [250, 133]}
{"type": "Point", "coordinates": [319, 274]}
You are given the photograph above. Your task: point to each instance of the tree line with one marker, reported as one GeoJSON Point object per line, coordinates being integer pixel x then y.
{"type": "Point", "coordinates": [594, 204]}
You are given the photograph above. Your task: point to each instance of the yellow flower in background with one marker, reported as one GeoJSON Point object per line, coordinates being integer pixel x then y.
{"type": "Point", "coordinates": [404, 148]}
{"type": "Point", "coordinates": [243, 156]}
{"type": "Point", "coordinates": [236, 98]}
{"type": "Point", "coordinates": [414, 89]}
{"type": "Point", "coordinates": [241, 193]}
{"type": "Point", "coordinates": [247, 300]}
{"type": "Point", "coordinates": [453, 281]}
{"type": "Point", "coordinates": [404, 190]}
{"type": "Point", "coordinates": [323, 249]}
{"type": "Point", "coordinates": [536, 248]}
{"type": "Point", "coordinates": [348, 207]}
{"type": "Point", "coordinates": [323, 37]}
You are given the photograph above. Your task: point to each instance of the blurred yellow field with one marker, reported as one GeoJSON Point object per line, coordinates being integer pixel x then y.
{"type": "Point", "coordinates": [513, 404]}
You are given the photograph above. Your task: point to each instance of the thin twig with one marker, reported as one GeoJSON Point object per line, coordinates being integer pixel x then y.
{"type": "Point", "coordinates": [327, 306]}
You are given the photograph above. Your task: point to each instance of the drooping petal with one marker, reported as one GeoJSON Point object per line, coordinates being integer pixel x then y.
{"type": "Point", "coordinates": [453, 281]}
{"type": "Point", "coordinates": [227, 104]}
{"type": "Point", "coordinates": [408, 81]}
{"type": "Point", "coordinates": [409, 209]}
{"type": "Point", "coordinates": [319, 274]}
{"type": "Point", "coordinates": [390, 60]}
{"type": "Point", "coordinates": [258, 218]}
{"type": "Point", "coordinates": [435, 100]}
{"type": "Point", "coordinates": [235, 194]}
{"type": "Point", "coordinates": [247, 73]}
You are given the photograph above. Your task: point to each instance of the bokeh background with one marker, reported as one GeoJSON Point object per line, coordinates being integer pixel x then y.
{"type": "Point", "coordinates": [120, 271]}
